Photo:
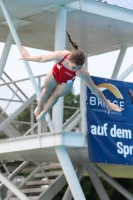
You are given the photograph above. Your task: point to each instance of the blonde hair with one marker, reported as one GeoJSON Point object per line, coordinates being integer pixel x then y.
{"type": "Point", "coordinates": [77, 55]}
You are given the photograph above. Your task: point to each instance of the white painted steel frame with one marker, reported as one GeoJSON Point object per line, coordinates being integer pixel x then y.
{"type": "Point", "coordinates": [97, 184]}
{"type": "Point", "coordinates": [44, 140]}
{"type": "Point", "coordinates": [60, 44]}
{"type": "Point", "coordinates": [16, 113]}
{"type": "Point", "coordinates": [104, 10]}
{"type": "Point", "coordinates": [126, 73]}
{"type": "Point", "coordinates": [74, 123]}
{"type": "Point", "coordinates": [5, 53]}
{"type": "Point", "coordinates": [18, 43]}
{"type": "Point", "coordinates": [79, 171]}
{"type": "Point", "coordinates": [69, 172]}
{"type": "Point", "coordinates": [13, 95]}
{"type": "Point", "coordinates": [83, 91]}
{"type": "Point", "coordinates": [111, 181]}
{"type": "Point", "coordinates": [13, 188]}
{"type": "Point", "coordinates": [62, 154]}
{"type": "Point", "coordinates": [12, 175]}
{"type": "Point", "coordinates": [119, 62]}
{"type": "Point", "coordinates": [60, 38]}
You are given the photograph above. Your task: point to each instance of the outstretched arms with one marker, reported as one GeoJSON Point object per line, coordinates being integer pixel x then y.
{"type": "Point", "coordinates": [55, 56]}
{"type": "Point", "coordinates": [84, 74]}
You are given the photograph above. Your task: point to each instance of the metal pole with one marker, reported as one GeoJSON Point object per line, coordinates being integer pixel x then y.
{"type": "Point", "coordinates": [97, 184]}
{"type": "Point", "coordinates": [32, 119]}
{"type": "Point", "coordinates": [13, 188]}
{"type": "Point", "coordinates": [13, 90]}
{"type": "Point", "coordinates": [6, 169]}
{"type": "Point", "coordinates": [39, 123]}
{"type": "Point", "coordinates": [125, 73]}
{"type": "Point", "coordinates": [5, 53]}
{"type": "Point", "coordinates": [18, 43]}
{"type": "Point", "coordinates": [29, 131]}
{"type": "Point", "coordinates": [60, 38]}
{"type": "Point", "coordinates": [69, 173]}
{"type": "Point", "coordinates": [119, 62]}
{"type": "Point", "coordinates": [20, 80]}
{"type": "Point", "coordinates": [80, 170]}
{"type": "Point", "coordinates": [15, 172]}
{"type": "Point", "coordinates": [16, 87]}
{"type": "Point", "coordinates": [112, 182]}
{"type": "Point", "coordinates": [83, 91]}
{"type": "Point", "coordinates": [60, 44]}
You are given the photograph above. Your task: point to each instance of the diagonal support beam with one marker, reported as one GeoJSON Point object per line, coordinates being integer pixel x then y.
{"type": "Point", "coordinates": [16, 113]}
{"type": "Point", "coordinates": [112, 182]}
{"type": "Point", "coordinates": [73, 123]}
{"type": "Point", "coordinates": [79, 171]}
{"type": "Point", "coordinates": [97, 184]}
{"type": "Point", "coordinates": [16, 87]}
{"type": "Point", "coordinates": [13, 188]}
{"type": "Point", "coordinates": [119, 62]}
{"type": "Point", "coordinates": [18, 43]}
{"type": "Point", "coordinates": [126, 73]}
{"type": "Point", "coordinates": [5, 53]}
{"type": "Point", "coordinates": [69, 173]}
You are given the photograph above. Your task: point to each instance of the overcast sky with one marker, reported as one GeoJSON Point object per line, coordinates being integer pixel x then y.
{"type": "Point", "coordinates": [100, 65]}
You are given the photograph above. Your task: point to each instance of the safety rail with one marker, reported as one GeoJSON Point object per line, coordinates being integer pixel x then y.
{"type": "Point", "coordinates": [71, 119]}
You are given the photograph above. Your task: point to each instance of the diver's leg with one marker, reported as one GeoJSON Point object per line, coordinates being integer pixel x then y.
{"type": "Point", "coordinates": [59, 91]}
{"type": "Point", "coordinates": [49, 86]}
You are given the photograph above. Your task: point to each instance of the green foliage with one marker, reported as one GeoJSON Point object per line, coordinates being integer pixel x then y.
{"type": "Point", "coordinates": [70, 100]}
{"type": "Point", "coordinates": [90, 192]}
{"type": "Point", "coordinates": [60, 195]}
{"type": "Point", "coordinates": [25, 116]}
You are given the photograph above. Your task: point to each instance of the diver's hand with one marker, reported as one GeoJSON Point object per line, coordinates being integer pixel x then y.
{"type": "Point", "coordinates": [25, 54]}
{"type": "Point", "coordinates": [112, 106]}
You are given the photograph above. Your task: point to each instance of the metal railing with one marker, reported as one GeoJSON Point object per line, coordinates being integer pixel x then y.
{"type": "Point", "coordinates": [15, 172]}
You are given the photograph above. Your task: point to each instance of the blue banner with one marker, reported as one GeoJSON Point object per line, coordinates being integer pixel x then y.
{"type": "Point", "coordinates": [110, 136]}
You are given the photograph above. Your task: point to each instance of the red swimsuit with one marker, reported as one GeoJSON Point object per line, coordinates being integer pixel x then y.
{"type": "Point", "coordinates": [61, 74]}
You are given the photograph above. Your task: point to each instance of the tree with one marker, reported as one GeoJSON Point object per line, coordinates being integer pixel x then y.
{"type": "Point", "coordinates": [24, 116]}
{"type": "Point", "coordinates": [70, 100]}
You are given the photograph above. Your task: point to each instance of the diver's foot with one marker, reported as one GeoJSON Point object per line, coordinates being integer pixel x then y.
{"type": "Point", "coordinates": [37, 111]}
{"type": "Point", "coordinates": [41, 117]}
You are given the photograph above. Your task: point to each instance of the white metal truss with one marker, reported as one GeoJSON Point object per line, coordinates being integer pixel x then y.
{"type": "Point", "coordinates": [97, 184]}
{"type": "Point", "coordinates": [111, 181]}
{"type": "Point", "coordinates": [119, 62]}
{"type": "Point", "coordinates": [102, 9]}
{"type": "Point", "coordinates": [60, 140]}
{"type": "Point", "coordinates": [18, 43]}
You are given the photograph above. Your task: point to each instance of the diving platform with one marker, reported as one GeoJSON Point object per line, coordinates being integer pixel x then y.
{"type": "Point", "coordinates": [41, 148]}
{"type": "Point", "coordinates": [41, 27]}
